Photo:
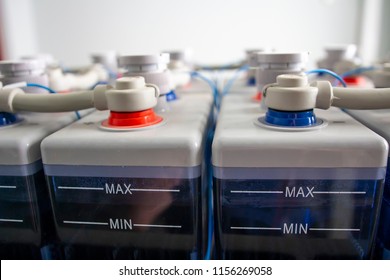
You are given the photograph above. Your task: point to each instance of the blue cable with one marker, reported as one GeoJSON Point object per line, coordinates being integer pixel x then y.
{"type": "Point", "coordinates": [210, 225]}
{"type": "Point", "coordinates": [50, 91]}
{"type": "Point", "coordinates": [41, 86]}
{"type": "Point", "coordinates": [210, 232]}
{"type": "Point", "coordinates": [77, 115]}
{"type": "Point", "coordinates": [326, 71]}
{"type": "Point", "coordinates": [112, 74]}
{"type": "Point", "coordinates": [98, 83]}
{"type": "Point", "coordinates": [214, 88]}
{"type": "Point", "coordinates": [358, 71]}
{"type": "Point", "coordinates": [212, 85]}
{"type": "Point", "coordinates": [230, 83]}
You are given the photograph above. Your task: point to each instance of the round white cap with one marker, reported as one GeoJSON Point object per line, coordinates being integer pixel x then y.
{"type": "Point", "coordinates": [103, 56]}
{"type": "Point", "coordinates": [288, 80]}
{"type": "Point", "coordinates": [251, 56]}
{"type": "Point", "coordinates": [45, 57]}
{"type": "Point", "coordinates": [278, 57]}
{"type": "Point", "coordinates": [161, 79]}
{"type": "Point", "coordinates": [252, 51]}
{"type": "Point", "coordinates": [341, 52]}
{"type": "Point", "coordinates": [381, 78]}
{"type": "Point", "coordinates": [126, 60]}
{"type": "Point", "coordinates": [178, 54]}
{"type": "Point", "coordinates": [10, 66]}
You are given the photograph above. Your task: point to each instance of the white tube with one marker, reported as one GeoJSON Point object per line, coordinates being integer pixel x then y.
{"type": "Point", "coordinates": [53, 102]}
{"type": "Point", "coordinates": [60, 81]}
{"type": "Point", "coordinates": [130, 94]}
{"type": "Point", "coordinates": [361, 99]}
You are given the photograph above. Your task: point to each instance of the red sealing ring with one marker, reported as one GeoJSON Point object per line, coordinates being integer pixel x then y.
{"type": "Point", "coordinates": [132, 119]}
{"type": "Point", "coordinates": [354, 80]}
{"type": "Point", "coordinates": [258, 96]}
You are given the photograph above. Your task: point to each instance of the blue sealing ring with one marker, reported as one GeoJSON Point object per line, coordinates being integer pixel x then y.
{"type": "Point", "coordinates": [292, 119]}
{"type": "Point", "coordinates": [251, 81]}
{"type": "Point", "coordinates": [8, 119]}
{"type": "Point", "coordinates": [171, 96]}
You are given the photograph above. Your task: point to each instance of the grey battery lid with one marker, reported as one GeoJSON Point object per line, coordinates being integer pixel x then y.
{"type": "Point", "coordinates": [20, 144]}
{"type": "Point", "coordinates": [344, 142]}
{"type": "Point", "coordinates": [377, 120]}
{"type": "Point", "coordinates": [179, 142]}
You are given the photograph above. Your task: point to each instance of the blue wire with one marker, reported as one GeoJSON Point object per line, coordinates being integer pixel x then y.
{"type": "Point", "coordinates": [210, 225]}
{"type": "Point", "coordinates": [230, 83]}
{"type": "Point", "coordinates": [98, 83]}
{"type": "Point", "coordinates": [212, 85]}
{"type": "Point", "coordinates": [111, 74]}
{"type": "Point", "coordinates": [50, 91]}
{"type": "Point", "coordinates": [41, 86]}
{"type": "Point", "coordinates": [210, 233]}
{"type": "Point", "coordinates": [326, 71]}
{"type": "Point", "coordinates": [77, 115]}
{"type": "Point", "coordinates": [357, 71]}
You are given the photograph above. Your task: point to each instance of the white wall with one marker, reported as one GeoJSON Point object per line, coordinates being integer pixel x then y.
{"type": "Point", "coordinates": [374, 33]}
{"type": "Point", "coordinates": [384, 45]}
{"type": "Point", "coordinates": [18, 28]}
{"type": "Point", "coordinates": [218, 31]}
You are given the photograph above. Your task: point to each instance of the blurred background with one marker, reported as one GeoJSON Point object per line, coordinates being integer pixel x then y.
{"type": "Point", "coordinates": [217, 31]}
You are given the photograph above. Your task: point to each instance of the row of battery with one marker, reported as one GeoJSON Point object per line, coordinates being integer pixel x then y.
{"type": "Point", "coordinates": [72, 190]}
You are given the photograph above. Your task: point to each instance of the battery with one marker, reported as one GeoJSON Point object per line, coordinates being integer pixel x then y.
{"type": "Point", "coordinates": [26, 221]}
{"type": "Point", "coordinates": [129, 195]}
{"type": "Point", "coordinates": [378, 121]}
{"type": "Point", "coordinates": [296, 193]}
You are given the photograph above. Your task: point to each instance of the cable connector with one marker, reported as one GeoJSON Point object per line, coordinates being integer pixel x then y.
{"type": "Point", "coordinates": [7, 96]}
{"type": "Point", "coordinates": [130, 94]}
{"type": "Point", "coordinates": [294, 93]}
{"type": "Point", "coordinates": [290, 93]}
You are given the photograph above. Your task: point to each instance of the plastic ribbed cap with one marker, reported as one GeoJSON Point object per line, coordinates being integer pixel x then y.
{"type": "Point", "coordinates": [126, 60]}
{"type": "Point", "coordinates": [135, 82]}
{"type": "Point", "coordinates": [381, 78]}
{"type": "Point", "coordinates": [103, 57]}
{"type": "Point", "coordinates": [45, 57]}
{"type": "Point", "coordinates": [287, 80]}
{"type": "Point", "coordinates": [160, 79]}
{"type": "Point", "coordinates": [178, 55]}
{"type": "Point", "coordinates": [9, 66]}
{"type": "Point", "coordinates": [252, 51]}
{"type": "Point", "coordinates": [281, 58]}
{"type": "Point", "coordinates": [342, 52]}
{"type": "Point", "coordinates": [251, 56]}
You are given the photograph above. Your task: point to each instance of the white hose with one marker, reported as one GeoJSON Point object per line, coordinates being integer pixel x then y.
{"type": "Point", "coordinates": [131, 94]}
{"type": "Point", "coordinates": [15, 99]}
{"type": "Point", "coordinates": [361, 99]}
{"type": "Point", "coordinates": [53, 102]}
